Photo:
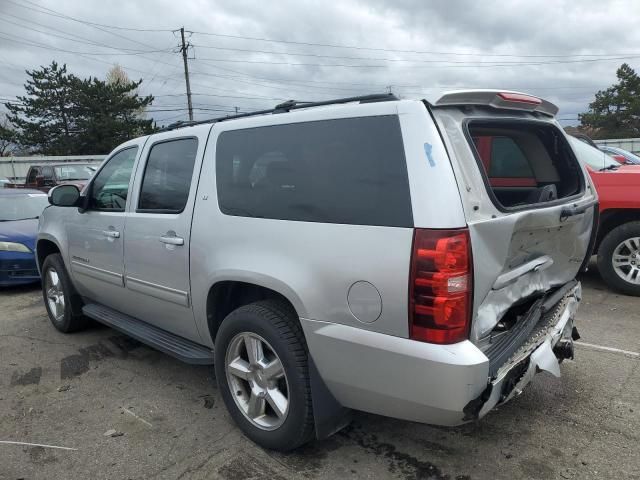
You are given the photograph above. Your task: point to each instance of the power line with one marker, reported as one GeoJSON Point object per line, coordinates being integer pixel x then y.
{"type": "Point", "coordinates": [429, 52]}
{"type": "Point", "coordinates": [55, 13]}
{"type": "Point", "coordinates": [385, 59]}
{"type": "Point", "coordinates": [61, 15]}
{"type": "Point", "coordinates": [67, 35]}
{"type": "Point", "coordinates": [33, 43]}
{"type": "Point", "coordinates": [446, 64]}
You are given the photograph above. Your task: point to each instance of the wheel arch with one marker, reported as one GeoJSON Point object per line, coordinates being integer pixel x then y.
{"type": "Point", "coordinates": [45, 247]}
{"type": "Point", "coordinates": [224, 296]}
{"type": "Point", "coordinates": [613, 218]}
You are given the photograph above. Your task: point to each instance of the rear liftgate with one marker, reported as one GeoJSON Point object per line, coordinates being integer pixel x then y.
{"type": "Point", "coordinates": [531, 232]}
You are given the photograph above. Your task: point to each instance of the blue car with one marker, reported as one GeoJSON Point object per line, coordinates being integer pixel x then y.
{"type": "Point", "coordinates": [19, 212]}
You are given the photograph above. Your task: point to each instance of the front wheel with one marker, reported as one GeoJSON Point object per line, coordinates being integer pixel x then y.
{"type": "Point", "coordinates": [262, 372]}
{"type": "Point", "coordinates": [619, 258]}
{"type": "Point", "coordinates": [59, 296]}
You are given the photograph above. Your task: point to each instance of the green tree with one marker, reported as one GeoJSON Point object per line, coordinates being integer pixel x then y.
{"type": "Point", "coordinates": [615, 112]}
{"type": "Point", "coordinates": [108, 114]}
{"type": "Point", "coordinates": [62, 114]}
{"type": "Point", "coordinates": [8, 138]}
{"type": "Point", "coordinates": [43, 117]}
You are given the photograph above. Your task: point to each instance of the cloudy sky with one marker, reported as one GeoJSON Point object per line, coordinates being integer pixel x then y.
{"type": "Point", "coordinates": [250, 54]}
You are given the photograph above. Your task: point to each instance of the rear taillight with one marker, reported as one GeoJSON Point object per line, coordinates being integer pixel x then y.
{"type": "Point", "coordinates": [440, 286]}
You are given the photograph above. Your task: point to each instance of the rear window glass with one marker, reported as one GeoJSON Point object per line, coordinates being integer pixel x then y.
{"type": "Point", "coordinates": [350, 171]}
{"type": "Point", "coordinates": [525, 163]}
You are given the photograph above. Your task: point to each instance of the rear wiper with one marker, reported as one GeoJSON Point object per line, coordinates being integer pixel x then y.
{"type": "Point", "coordinates": [609, 167]}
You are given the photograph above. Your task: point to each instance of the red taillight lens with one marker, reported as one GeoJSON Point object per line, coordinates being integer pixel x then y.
{"type": "Point", "coordinates": [520, 98]}
{"type": "Point", "coordinates": [440, 286]}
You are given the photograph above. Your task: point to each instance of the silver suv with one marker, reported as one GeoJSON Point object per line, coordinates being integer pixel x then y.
{"type": "Point", "coordinates": [408, 259]}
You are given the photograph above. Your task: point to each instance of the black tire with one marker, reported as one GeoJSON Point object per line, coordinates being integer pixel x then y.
{"type": "Point", "coordinates": [605, 255]}
{"type": "Point", "coordinates": [72, 320]}
{"type": "Point", "coordinates": [278, 324]}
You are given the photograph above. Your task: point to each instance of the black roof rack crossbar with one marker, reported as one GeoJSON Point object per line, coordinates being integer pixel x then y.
{"type": "Point", "coordinates": [286, 107]}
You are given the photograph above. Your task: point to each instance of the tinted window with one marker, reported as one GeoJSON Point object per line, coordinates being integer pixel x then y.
{"type": "Point", "coordinates": [110, 188]}
{"type": "Point", "coordinates": [33, 173]}
{"type": "Point", "coordinates": [348, 171]}
{"type": "Point", "coordinates": [507, 160]}
{"type": "Point", "coordinates": [74, 172]}
{"type": "Point", "coordinates": [47, 173]}
{"type": "Point", "coordinates": [167, 176]}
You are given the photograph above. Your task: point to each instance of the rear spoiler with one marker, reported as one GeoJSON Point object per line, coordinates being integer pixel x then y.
{"type": "Point", "coordinates": [499, 99]}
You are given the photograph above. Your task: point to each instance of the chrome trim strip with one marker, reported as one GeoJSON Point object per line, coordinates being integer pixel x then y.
{"type": "Point", "coordinates": [158, 291]}
{"type": "Point", "coordinates": [98, 273]}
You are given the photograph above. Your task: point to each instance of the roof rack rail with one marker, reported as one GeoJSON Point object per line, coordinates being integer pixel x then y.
{"type": "Point", "coordinates": [286, 107]}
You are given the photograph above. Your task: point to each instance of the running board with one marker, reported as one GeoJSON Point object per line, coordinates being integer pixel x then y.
{"type": "Point", "coordinates": [178, 347]}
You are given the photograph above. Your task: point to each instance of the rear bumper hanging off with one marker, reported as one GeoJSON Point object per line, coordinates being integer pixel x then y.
{"type": "Point", "coordinates": [550, 340]}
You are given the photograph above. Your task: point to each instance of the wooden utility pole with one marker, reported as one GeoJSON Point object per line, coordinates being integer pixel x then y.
{"type": "Point", "coordinates": [183, 49]}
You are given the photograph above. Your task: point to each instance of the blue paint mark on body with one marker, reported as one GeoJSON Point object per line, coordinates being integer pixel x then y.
{"type": "Point", "coordinates": [428, 148]}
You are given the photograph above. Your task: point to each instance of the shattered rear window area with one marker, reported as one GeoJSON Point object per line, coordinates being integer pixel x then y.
{"type": "Point", "coordinates": [525, 163]}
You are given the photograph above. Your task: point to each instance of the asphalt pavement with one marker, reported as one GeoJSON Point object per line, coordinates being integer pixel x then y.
{"type": "Point", "coordinates": [124, 411]}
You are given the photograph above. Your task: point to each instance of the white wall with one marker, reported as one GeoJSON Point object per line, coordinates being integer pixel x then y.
{"type": "Point", "coordinates": [629, 144]}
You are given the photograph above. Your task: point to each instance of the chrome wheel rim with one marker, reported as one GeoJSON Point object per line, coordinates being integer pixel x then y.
{"type": "Point", "coordinates": [257, 380]}
{"type": "Point", "coordinates": [55, 293]}
{"type": "Point", "coordinates": [626, 260]}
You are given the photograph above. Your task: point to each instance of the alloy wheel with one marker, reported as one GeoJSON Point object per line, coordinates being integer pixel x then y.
{"type": "Point", "coordinates": [626, 260]}
{"type": "Point", "coordinates": [257, 380]}
{"type": "Point", "coordinates": [55, 293]}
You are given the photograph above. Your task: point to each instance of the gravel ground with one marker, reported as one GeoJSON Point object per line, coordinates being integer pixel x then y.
{"type": "Point", "coordinates": [170, 422]}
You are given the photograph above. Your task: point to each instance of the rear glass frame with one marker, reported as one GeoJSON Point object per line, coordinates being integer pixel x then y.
{"type": "Point", "coordinates": [401, 206]}
{"type": "Point", "coordinates": [510, 122]}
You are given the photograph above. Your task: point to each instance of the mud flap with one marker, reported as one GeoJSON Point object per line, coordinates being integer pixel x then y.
{"type": "Point", "coordinates": [328, 414]}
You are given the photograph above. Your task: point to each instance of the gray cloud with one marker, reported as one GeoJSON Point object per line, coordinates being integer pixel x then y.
{"type": "Point", "coordinates": [481, 29]}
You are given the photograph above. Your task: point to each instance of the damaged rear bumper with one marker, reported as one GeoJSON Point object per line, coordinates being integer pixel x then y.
{"type": "Point", "coordinates": [438, 384]}
{"type": "Point", "coordinates": [549, 333]}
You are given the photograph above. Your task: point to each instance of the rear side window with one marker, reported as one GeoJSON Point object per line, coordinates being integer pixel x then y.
{"type": "Point", "coordinates": [349, 171]}
{"type": "Point", "coordinates": [167, 176]}
{"type": "Point", "coordinates": [525, 163]}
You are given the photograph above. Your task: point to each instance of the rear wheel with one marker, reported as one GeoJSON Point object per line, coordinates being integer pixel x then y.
{"type": "Point", "coordinates": [261, 369]}
{"type": "Point", "coordinates": [619, 258]}
{"type": "Point", "coordinates": [60, 298]}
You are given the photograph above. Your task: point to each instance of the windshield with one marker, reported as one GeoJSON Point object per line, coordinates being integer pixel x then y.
{"type": "Point", "coordinates": [629, 157]}
{"type": "Point", "coordinates": [74, 172]}
{"type": "Point", "coordinates": [593, 157]}
{"type": "Point", "coordinates": [21, 207]}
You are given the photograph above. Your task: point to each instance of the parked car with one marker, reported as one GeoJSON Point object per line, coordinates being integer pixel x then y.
{"type": "Point", "coordinates": [353, 254]}
{"type": "Point", "coordinates": [618, 241]}
{"type": "Point", "coordinates": [19, 212]}
{"type": "Point", "coordinates": [620, 155]}
{"type": "Point", "coordinates": [4, 182]}
{"type": "Point", "coordinates": [45, 177]}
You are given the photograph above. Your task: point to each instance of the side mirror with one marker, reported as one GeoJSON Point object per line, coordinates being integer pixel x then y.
{"type": "Point", "coordinates": [40, 181]}
{"type": "Point", "coordinates": [64, 196]}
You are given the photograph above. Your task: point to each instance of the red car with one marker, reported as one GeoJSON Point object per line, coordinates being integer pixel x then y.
{"type": "Point", "coordinates": [618, 240]}
{"type": "Point", "coordinates": [45, 177]}
{"type": "Point", "coordinates": [618, 186]}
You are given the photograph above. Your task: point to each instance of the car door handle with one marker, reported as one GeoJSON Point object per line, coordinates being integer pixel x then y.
{"type": "Point", "coordinates": [111, 233]}
{"type": "Point", "coordinates": [172, 240]}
